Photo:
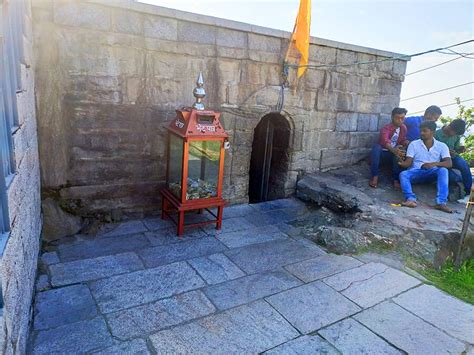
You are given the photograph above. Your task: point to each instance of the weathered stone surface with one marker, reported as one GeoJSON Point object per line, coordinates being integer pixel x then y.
{"type": "Point", "coordinates": [322, 266]}
{"type": "Point", "coordinates": [346, 122]}
{"type": "Point", "coordinates": [168, 236]}
{"type": "Point", "coordinates": [58, 223]}
{"type": "Point", "coordinates": [130, 227]}
{"type": "Point", "coordinates": [161, 27]}
{"type": "Point", "coordinates": [101, 247]}
{"type": "Point", "coordinates": [252, 328]}
{"type": "Point", "coordinates": [339, 239]}
{"type": "Point", "coordinates": [132, 347]}
{"type": "Point", "coordinates": [371, 283]}
{"type": "Point", "coordinates": [93, 269]}
{"type": "Point", "coordinates": [73, 338]}
{"type": "Point", "coordinates": [333, 194]}
{"type": "Point", "coordinates": [166, 254]}
{"type": "Point", "coordinates": [77, 14]}
{"type": "Point", "coordinates": [312, 306]}
{"type": "Point", "coordinates": [251, 236]}
{"type": "Point", "coordinates": [270, 255]}
{"type": "Point", "coordinates": [62, 306]}
{"type": "Point", "coordinates": [230, 38]}
{"type": "Point", "coordinates": [250, 288]}
{"type": "Point", "coordinates": [149, 318]}
{"type": "Point", "coordinates": [196, 33]}
{"type": "Point", "coordinates": [133, 289]}
{"type": "Point", "coordinates": [408, 332]}
{"type": "Point", "coordinates": [50, 258]}
{"type": "Point", "coordinates": [216, 268]}
{"type": "Point", "coordinates": [306, 344]}
{"type": "Point", "coordinates": [154, 224]}
{"type": "Point", "coordinates": [441, 310]}
{"type": "Point", "coordinates": [349, 336]}
{"type": "Point", "coordinates": [42, 283]}
{"type": "Point", "coordinates": [229, 225]}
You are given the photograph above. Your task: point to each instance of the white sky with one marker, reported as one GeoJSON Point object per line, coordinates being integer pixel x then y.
{"type": "Point", "coordinates": [403, 26]}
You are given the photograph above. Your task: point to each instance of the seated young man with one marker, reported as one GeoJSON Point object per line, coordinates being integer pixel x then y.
{"type": "Point", "coordinates": [392, 139]}
{"type": "Point", "coordinates": [432, 113]}
{"type": "Point", "coordinates": [427, 160]}
{"type": "Point", "coordinates": [451, 136]}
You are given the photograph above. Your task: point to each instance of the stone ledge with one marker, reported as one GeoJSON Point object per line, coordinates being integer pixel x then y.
{"type": "Point", "coordinates": [246, 27]}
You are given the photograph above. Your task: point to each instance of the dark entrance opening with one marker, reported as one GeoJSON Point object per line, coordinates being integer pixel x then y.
{"type": "Point", "coordinates": [270, 158]}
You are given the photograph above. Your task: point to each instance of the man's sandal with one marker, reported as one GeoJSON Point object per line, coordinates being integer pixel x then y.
{"type": "Point", "coordinates": [409, 203]}
{"type": "Point", "coordinates": [443, 208]}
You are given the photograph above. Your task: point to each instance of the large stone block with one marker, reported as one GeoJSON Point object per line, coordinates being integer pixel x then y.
{"type": "Point", "coordinates": [161, 27]}
{"type": "Point", "coordinates": [314, 79]}
{"type": "Point", "coordinates": [322, 54]}
{"type": "Point", "coordinates": [383, 120]}
{"type": "Point", "coordinates": [196, 33]}
{"type": "Point", "coordinates": [362, 139]}
{"type": "Point", "coordinates": [264, 43]}
{"type": "Point", "coordinates": [333, 158]}
{"type": "Point", "coordinates": [327, 101]}
{"type": "Point", "coordinates": [83, 15]}
{"type": "Point", "coordinates": [346, 121]}
{"type": "Point", "coordinates": [367, 122]}
{"type": "Point", "coordinates": [390, 87]}
{"type": "Point", "coordinates": [128, 22]}
{"type": "Point", "coordinates": [231, 38]}
{"type": "Point", "coordinates": [306, 344]}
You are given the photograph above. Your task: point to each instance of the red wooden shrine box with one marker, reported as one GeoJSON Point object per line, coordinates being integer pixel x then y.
{"type": "Point", "coordinates": [195, 166]}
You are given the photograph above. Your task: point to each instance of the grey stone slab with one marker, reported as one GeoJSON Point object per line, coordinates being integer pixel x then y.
{"type": "Point", "coordinates": [132, 347]}
{"type": "Point", "coordinates": [251, 236]}
{"type": "Point", "coordinates": [230, 225]}
{"type": "Point", "coordinates": [50, 258]}
{"type": "Point", "coordinates": [61, 306]}
{"type": "Point", "coordinates": [166, 254]}
{"type": "Point", "coordinates": [75, 338]}
{"type": "Point", "coordinates": [154, 224]}
{"type": "Point", "coordinates": [278, 204]}
{"type": "Point", "coordinates": [168, 236]}
{"type": "Point", "coordinates": [149, 318]}
{"type": "Point", "coordinates": [322, 266]}
{"type": "Point", "coordinates": [129, 227]}
{"type": "Point", "coordinates": [42, 283]}
{"type": "Point", "coordinates": [216, 268]}
{"type": "Point", "coordinates": [371, 283]}
{"type": "Point", "coordinates": [93, 269]}
{"type": "Point", "coordinates": [312, 306]}
{"type": "Point", "coordinates": [249, 288]}
{"type": "Point", "coordinates": [350, 337]}
{"type": "Point", "coordinates": [237, 211]}
{"type": "Point", "coordinates": [250, 328]}
{"type": "Point", "coordinates": [140, 287]}
{"type": "Point", "coordinates": [270, 255]}
{"type": "Point", "coordinates": [102, 246]}
{"type": "Point", "coordinates": [440, 309]}
{"type": "Point", "coordinates": [306, 344]}
{"type": "Point", "coordinates": [406, 331]}
{"type": "Point", "coordinates": [273, 217]}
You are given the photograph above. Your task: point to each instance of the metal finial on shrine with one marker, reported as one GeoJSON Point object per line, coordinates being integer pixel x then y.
{"type": "Point", "coordinates": [199, 93]}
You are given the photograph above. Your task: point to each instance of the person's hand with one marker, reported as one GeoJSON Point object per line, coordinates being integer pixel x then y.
{"type": "Point", "coordinates": [461, 149]}
{"type": "Point", "coordinates": [428, 166]}
{"type": "Point", "coordinates": [453, 152]}
{"type": "Point", "coordinates": [400, 152]}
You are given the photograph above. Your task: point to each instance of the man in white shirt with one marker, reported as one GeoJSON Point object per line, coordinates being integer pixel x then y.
{"type": "Point", "coordinates": [427, 160]}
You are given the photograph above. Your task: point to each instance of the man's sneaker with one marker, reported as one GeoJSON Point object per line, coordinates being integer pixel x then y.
{"type": "Point", "coordinates": [464, 200]}
{"type": "Point", "coordinates": [443, 208]}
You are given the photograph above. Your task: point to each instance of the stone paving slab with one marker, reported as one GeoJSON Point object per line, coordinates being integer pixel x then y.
{"type": "Point", "coordinates": [102, 246]}
{"type": "Point", "coordinates": [216, 268]}
{"type": "Point", "coordinates": [50, 258]}
{"type": "Point", "coordinates": [154, 224]}
{"type": "Point", "coordinates": [251, 328]}
{"type": "Point", "coordinates": [229, 225]}
{"type": "Point", "coordinates": [93, 269]}
{"type": "Point", "coordinates": [306, 344]}
{"type": "Point", "coordinates": [322, 266]}
{"type": "Point", "coordinates": [443, 311]}
{"type": "Point", "coordinates": [129, 227]}
{"type": "Point", "coordinates": [270, 255]}
{"type": "Point", "coordinates": [133, 347]}
{"type": "Point", "coordinates": [149, 318]}
{"type": "Point", "coordinates": [272, 217]}
{"type": "Point", "coordinates": [140, 287]}
{"type": "Point", "coordinates": [168, 236]}
{"type": "Point", "coordinates": [75, 338]}
{"type": "Point", "coordinates": [62, 306]}
{"type": "Point", "coordinates": [371, 283]}
{"type": "Point", "coordinates": [408, 332]}
{"type": "Point", "coordinates": [290, 203]}
{"type": "Point", "coordinates": [250, 288]}
{"type": "Point", "coordinates": [312, 306]}
{"type": "Point", "coordinates": [166, 254]}
{"type": "Point", "coordinates": [351, 337]}
{"type": "Point", "coordinates": [251, 236]}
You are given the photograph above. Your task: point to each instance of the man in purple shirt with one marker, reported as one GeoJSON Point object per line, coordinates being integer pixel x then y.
{"type": "Point", "coordinates": [388, 149]}
{"type": "Point", "coordinates": [432, 113]}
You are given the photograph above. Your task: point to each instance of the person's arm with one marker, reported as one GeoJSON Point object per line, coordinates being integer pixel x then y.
{"type": "Point", "coordinates": [406, 163]}
{"type": "Point", "coordinates": [403, 141]}
{"type": "Point", "coordinates": [385, 142]}
{"type": "Point", "coordinates": [445, 163]}
{"type": "Point", "coordinates": [458, 148]}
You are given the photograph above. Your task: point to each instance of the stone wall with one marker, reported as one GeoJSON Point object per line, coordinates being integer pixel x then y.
{"type": "Point", "coordinates": [19, 261]}
{"type": "Point", "coordinates": [111, 73]}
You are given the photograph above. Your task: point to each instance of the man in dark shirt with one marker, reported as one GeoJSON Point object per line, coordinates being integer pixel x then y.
{"type": "Point", "coordinates": [432, 113]}
{"type": "Point", "coordinates": [392, 139]}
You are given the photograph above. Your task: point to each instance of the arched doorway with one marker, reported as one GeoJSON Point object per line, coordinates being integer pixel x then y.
{"type": "Point", "coordinates": [270, 158]}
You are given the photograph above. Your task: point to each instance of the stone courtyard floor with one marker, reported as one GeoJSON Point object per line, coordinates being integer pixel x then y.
{"type": "Point", "coordinates": [135, 288]}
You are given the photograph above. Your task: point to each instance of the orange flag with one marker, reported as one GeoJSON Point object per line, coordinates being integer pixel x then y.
{"type": "Point", "coordinates": [298, 50]}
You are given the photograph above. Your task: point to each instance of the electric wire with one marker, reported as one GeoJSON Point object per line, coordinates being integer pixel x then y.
{"type": "Point", "coordinates": [451, 104]}
{"type": "Point", "coordinates": [437, 65]}
{"type": "Point", "coordinates": [441, 90]}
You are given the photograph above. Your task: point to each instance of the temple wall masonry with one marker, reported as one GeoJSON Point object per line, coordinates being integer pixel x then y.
{"type": "Point", "coordinates": [110, 74]}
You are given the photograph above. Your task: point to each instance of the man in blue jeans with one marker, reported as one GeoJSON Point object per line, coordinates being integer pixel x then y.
{"type": "Point", "coordinates": [427, 160]}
